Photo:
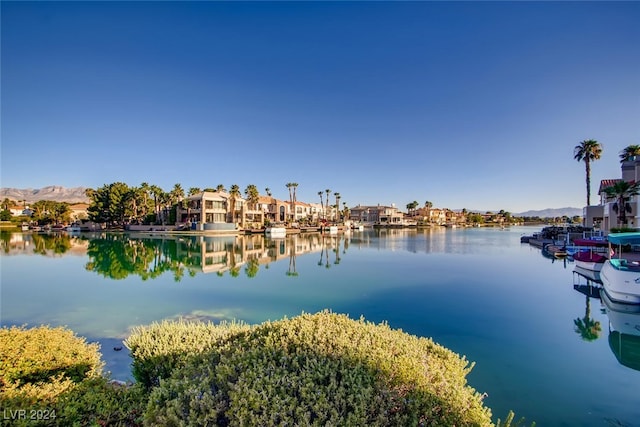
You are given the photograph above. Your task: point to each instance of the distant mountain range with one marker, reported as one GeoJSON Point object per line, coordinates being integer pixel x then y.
{"type": "Point", "coordinates": [552, 213]}
{"type": "Point", "coordinates": [53, 193]}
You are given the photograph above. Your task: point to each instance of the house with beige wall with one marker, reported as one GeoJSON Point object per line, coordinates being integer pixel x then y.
{"type": "Point", "coordinates": [605, 215]}
{"type": "Point", "coordinates": [376, 215]}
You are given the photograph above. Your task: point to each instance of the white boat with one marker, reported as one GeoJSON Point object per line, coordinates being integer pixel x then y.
{"type": "Point", "coordinates": [620, 277]}
{"type": "Point", "coordinates": [275, 231]}
{"type": "Point", "coordinates": [589, 260]}
{"type": "Point", "coordinates": [73, 228]}
{"type": "Point", "coordinates": [589, 253]}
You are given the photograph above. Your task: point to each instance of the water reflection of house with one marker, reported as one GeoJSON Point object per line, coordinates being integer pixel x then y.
{"type": "Point", "coordinates": [212, 254]}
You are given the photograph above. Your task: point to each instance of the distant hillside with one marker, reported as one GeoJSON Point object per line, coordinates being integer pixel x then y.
{"type": "Point", "coordinates": [552, 213]}
{"type": "Point", "coordinates": [54, 193]}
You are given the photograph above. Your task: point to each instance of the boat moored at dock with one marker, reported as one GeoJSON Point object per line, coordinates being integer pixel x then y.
{"type": "Point", "coordinates": [621, 277]}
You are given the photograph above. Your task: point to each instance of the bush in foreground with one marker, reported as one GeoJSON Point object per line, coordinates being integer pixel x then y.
{"type": "Point", "coordinates": [160, 348]}
{"type": "Point", "coordinates": [320, 369]}
{"type": "Point", "coordinates": [38, 364]}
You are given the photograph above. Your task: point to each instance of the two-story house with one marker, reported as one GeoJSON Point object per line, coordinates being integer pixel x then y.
{"type": "Point", "coordinates": [376, 215]}
{"type": "Point", "coordinates": [605, 215]}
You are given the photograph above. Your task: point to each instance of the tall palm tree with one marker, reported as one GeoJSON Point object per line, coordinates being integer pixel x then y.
{"type": "Point", "coordinates": [294, 185]}
{"type": "Point", "coordinates": [622, 191]}
{"type": "Point", "coordinates": [157, 194]}
{"type": "Point", "coordinates": [345, 211]}
{"type": "Point", "coordinates": [321, 203]}
{"type": "Point", "coordinates": [220, 188]}
{"type": "Point", "coordinates": [629, 152]}
{"type": "Point", "coordinates": [337, 206]}
{"type": "Point", "coordinates": [253, 197]}
{"type": "Point", "coordinates": [234, 192]}
{"type": "Point", "coordinates": [145, 190]}
{"type": "Point", "coordinates": [289, 186]}
{"type": "Point", "coordinates": [327, 200]}
{"type": "Point", "coordinates": [587, 151]}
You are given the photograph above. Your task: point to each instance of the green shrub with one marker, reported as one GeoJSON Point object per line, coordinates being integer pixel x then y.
{"type": "Point", "coordinates": [159, 348]}
{"type": "Point", "coordinates": [38, 364]}
{"type": "Point", "coordinates": [99, 402]}
{"type": "Point", "coordinates": [321, 369]}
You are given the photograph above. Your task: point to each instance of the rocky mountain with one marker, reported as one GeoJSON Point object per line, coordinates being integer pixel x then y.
{"type": "Point", "coordinates": [552, 213]}
{"type": "Point", "coordinates": [54, 193]}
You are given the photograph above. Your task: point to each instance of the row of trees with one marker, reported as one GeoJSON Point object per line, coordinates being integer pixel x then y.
{"type": "Point", "coordinates": [43, 212]}
{"type": "Point", "coordinates": [590, 150]}
{"type": "Point", "coordinates": [119, 203]}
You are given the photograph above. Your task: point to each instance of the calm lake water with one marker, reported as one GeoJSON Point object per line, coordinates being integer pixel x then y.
{"type": "Point", "coordinates": [541, 347]}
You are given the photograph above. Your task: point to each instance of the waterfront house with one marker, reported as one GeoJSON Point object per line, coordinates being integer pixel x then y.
{"type": "Point", "coordinates": [209, 210]}
{"type": "Point", "coordinates": [376, 215]}
{"type": "Point", "coordinates": [604, 215]}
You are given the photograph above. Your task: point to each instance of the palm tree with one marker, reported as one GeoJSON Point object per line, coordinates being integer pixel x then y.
{"type": "Point", "coordinates": [145, 189]}
{"type": "Point", "coordinates": [345, 211]}
{"type": "Point", "coordinates": [253, 197]}
{"type": "Point", "coordinates": [193, 191]}
{"type": "Point", "coordinates": [587, 151]}
{"type": "Point", "coordinates": [622, 191]}
{"type": "Point", "coordinates": [337, 206]}
{"type": "Point", "coordinates": [233, 193]}
{"type": "Point", "coordinates": [220, 188]}
{"type": "Point", "coordinates": [411, 207]}
{"type": "Point", "coordinates": [157, 194]}
{"type": "Point", "coordinates": [327, 200]}
{"type": "Point", "coordinates": [629, 152]}
{"type": "Point", "coordinates": [294, 185]}
{"type": "Point", "coordinates": [321, 203]}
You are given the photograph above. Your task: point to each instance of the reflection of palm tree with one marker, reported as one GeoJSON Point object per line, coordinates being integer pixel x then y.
{"type": "Point", "coordinates": [292, 262]}
{"type": "Point", "coordinates": [321, 253]}
{"type": "Point", "coordinates": [251, 270]}
{"type": "Point", "coordinates": [326, 257]}
{"type": "Point", "coordinates": [589, 329]}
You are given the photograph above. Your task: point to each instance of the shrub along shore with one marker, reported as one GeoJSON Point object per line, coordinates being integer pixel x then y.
{"type": "Point", "coordinates": [314, 369]}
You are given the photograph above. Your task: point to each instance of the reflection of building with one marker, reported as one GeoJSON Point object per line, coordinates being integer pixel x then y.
{"type": "Point", "coordinates": [218, 254]}
{"type": "Point", "coordinates": [44, 244]}
{"type": "Point", "coordinates": [624, 331]}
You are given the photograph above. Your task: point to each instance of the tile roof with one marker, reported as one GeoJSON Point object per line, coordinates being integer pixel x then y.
{"type": "Point", "coordinates": [606, 183]}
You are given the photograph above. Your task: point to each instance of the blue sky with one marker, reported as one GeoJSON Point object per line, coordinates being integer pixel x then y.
{"type": "Point", "coordinates": [473, 105]}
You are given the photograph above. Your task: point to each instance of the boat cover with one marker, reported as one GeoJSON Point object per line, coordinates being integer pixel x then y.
{"type": "Point", "coordinates": [624, 238]}
{"type": "Point", "coordinates": [590, 242]}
